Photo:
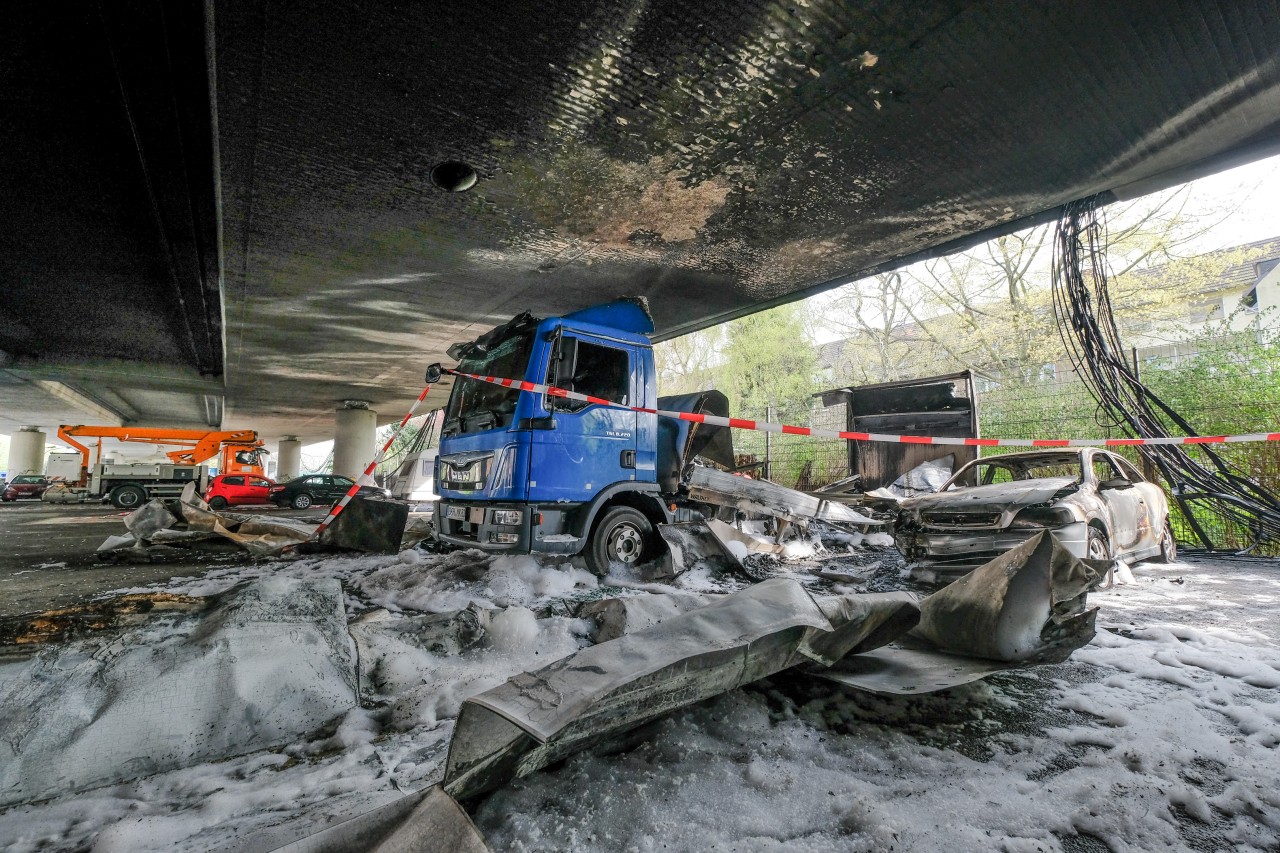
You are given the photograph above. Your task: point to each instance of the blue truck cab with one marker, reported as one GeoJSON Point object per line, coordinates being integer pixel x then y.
{"type": "Point", "coordinates": [520, 472]}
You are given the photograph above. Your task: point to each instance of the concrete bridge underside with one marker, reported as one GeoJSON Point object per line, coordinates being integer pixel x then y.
{"type": "Point", "coordinates": [224, 212]}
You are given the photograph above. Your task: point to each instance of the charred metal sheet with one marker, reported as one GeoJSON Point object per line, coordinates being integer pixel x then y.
{"type": "Point", "coordinates": [924, 479]}
{"type": "Point", "coordinates": [51, 626]}
{"type": "Point", "coordinates": [692, 542]}
{"type": "Point", "coordinates": [209, 687]}
{"type": "Point", "coordinates": [537, 718]}
{"type": "Point", "coordinates": [372, 525]}
{"type": "Point", "coordinates": [149, 519]}
{"type": "Point", "coordinates": [935, 405]}
{"type": "Point", "coordinates": [680, 442]}
{"type": "Point", "coordinates": [764, 497]}
{"type": "Point", "coordinates": [617, 616]}
{"type": "Point", "coordinates": [1024, 608]}
{"type": "Point", "coordinates": [423, 822]}
{"type": "Point", "coordinates": [1026, 605]}
{"type": "Point", "coordinates": [904, 669]}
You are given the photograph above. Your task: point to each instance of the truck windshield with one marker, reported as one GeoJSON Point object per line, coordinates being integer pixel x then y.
{"type": "Point", "coordinates": [477, 406]}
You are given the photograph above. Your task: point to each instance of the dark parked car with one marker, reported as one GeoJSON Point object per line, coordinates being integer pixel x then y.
{"type": "Point", "coordinates": [25, 486]}
{"type": "Point", "coordinates": [304, 491]}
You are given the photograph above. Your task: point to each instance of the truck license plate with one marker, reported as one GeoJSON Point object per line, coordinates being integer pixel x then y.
{"type": "Point", "coordinates": [455, 513]}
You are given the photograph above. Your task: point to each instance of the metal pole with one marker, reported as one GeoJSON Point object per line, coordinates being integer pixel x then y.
{"type": "Point", "coordinates": [768, 458]}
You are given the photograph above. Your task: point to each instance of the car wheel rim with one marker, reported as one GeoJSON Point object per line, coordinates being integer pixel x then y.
{"type": "Point", "coordinates": [1097, 549]}
{"type": "Point", "coordinates": [625, 544]}
{"type": "Point", "coordinates": [303, 502]}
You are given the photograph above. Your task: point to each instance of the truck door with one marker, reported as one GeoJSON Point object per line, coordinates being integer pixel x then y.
{"type": "Point", "coordinates": [591, 446]}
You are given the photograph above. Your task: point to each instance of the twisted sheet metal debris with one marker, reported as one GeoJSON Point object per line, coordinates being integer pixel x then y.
{"type": "Point", "coordinates": [1027, 606]}
{"type": "Point", "coordinates": [540, 717]}
{"type": "Point", "coordinates": [269, 662]}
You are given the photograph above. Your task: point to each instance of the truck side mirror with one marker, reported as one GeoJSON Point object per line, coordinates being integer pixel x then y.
{"type": "Point", "coordinates": [434, 372]}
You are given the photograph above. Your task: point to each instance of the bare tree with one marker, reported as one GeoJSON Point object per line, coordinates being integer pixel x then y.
{"type": "Point", "coordinates": [686, 363]}
{"type": "Point", "coordinates": [989, 308]}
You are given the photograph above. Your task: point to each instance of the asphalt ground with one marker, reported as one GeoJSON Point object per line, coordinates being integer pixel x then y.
{"type": "Point", "coordinates": [48, 560]}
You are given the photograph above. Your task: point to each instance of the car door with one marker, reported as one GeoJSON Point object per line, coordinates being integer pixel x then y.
{"type": "Point", "coordinates": [257, 489]}
{"type": "Point", "coordinates": [318, 487]}
{"type": "Point", "coordinates": [1153, 499]}
{"type": "Point", "coordinates": [233, 488]}
{"type": "Point", "coordinates": [1126, 506]}
{"type": "Point", "coordinates": [339, 486]}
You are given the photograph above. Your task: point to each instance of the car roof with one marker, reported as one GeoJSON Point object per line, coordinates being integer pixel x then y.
{"type": "Point", "coordinates": [1048, 453]}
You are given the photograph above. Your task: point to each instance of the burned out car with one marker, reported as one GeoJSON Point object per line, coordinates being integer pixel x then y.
{"type": "Point", "coordinates": [1095, 502]}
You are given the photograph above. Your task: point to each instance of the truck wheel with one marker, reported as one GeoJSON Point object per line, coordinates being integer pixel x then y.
{"type": "Point", "coordinates": [622, 535]}
{"type": "Point", "coordinates": [302, 501]}
{"type": "Point", "coordinates": [127, 497]}
{"type": "Point", "coordinates": [218, 502]}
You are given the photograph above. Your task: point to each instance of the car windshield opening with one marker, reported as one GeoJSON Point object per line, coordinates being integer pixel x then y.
{"type": "Point", "coordinates": [476, 406]}
{"type": "Point", "coordinates": [995, 470]}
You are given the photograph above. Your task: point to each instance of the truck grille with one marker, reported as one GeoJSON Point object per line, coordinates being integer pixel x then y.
{"type": "Point", "coordinates": [961, 519]}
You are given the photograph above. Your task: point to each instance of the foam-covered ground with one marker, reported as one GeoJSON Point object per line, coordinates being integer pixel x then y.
{"type": "Point", "coordinates": [1163, 733]}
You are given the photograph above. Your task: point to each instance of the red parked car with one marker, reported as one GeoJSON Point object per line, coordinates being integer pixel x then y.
{"type": "Point", "coordinates": [234, 489]}
{"type": "Point", "coordinates": [25, 486]}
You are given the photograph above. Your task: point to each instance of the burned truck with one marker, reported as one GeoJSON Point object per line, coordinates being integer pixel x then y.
{"type": "Point", "coordinates": [530, 471]}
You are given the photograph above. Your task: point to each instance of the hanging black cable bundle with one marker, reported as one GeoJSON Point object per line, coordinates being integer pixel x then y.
{"type": "Point", "coordinates": [1082, 304]}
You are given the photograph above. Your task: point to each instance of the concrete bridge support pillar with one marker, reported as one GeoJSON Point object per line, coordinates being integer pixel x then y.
{"type": "Point", "coordinates": [288, 459]}
{"type": "Point", "coordinates": [354, 433]}
{"type": "Point", "coordinates": [26, 452]}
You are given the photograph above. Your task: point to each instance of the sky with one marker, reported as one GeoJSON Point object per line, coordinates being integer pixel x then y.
{"type": "Point", "coordinates": [1257, 187]}
{"type": "Point", "coordinates": [1248, 196]}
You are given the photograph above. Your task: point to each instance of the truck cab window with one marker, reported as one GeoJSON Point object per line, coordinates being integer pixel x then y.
{"type": "Point", "coordinates": [476, 406]}
{"type": "Point", "coordinates": [600, 371]}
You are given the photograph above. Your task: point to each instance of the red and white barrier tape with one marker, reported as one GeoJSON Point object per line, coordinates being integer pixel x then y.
{"type": "Point", "coordinates": [765, 426]}
{"type": "Point", "coordinates": [367, 477]}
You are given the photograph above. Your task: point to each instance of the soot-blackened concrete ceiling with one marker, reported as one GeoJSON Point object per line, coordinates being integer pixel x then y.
{"type": "Point", "coordinates": [712, 156]}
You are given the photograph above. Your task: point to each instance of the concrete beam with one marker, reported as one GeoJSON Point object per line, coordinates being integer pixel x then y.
{"type": "Point", "coordinates": [120, 374]}
{"type": "Point", "coordinates": [115, 414]}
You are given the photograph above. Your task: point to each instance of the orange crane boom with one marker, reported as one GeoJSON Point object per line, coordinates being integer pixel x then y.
{"type": "Point", "coordinates": [196, 445]}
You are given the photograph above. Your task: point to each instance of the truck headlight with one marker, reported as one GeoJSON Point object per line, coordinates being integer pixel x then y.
{"type": "Point", "coordinates": [507, 516]}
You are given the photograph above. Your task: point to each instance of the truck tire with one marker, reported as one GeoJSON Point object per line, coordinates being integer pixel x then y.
{"type": "Point", "coordinates": [128, 497]}
{"type": "Point", "coordinates": [302, 501]}
{"type": "Point", "coordinates": [622, 535]}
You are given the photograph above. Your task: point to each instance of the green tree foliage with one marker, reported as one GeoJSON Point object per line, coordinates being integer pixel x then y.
{"type": "Point", "coordinates": [687, 363]}
{"type": "Point", "coordinates": [769, 360]}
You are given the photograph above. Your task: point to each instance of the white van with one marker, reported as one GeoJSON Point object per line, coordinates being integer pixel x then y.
{"type": "Point", "coordinates": [415, 480]}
